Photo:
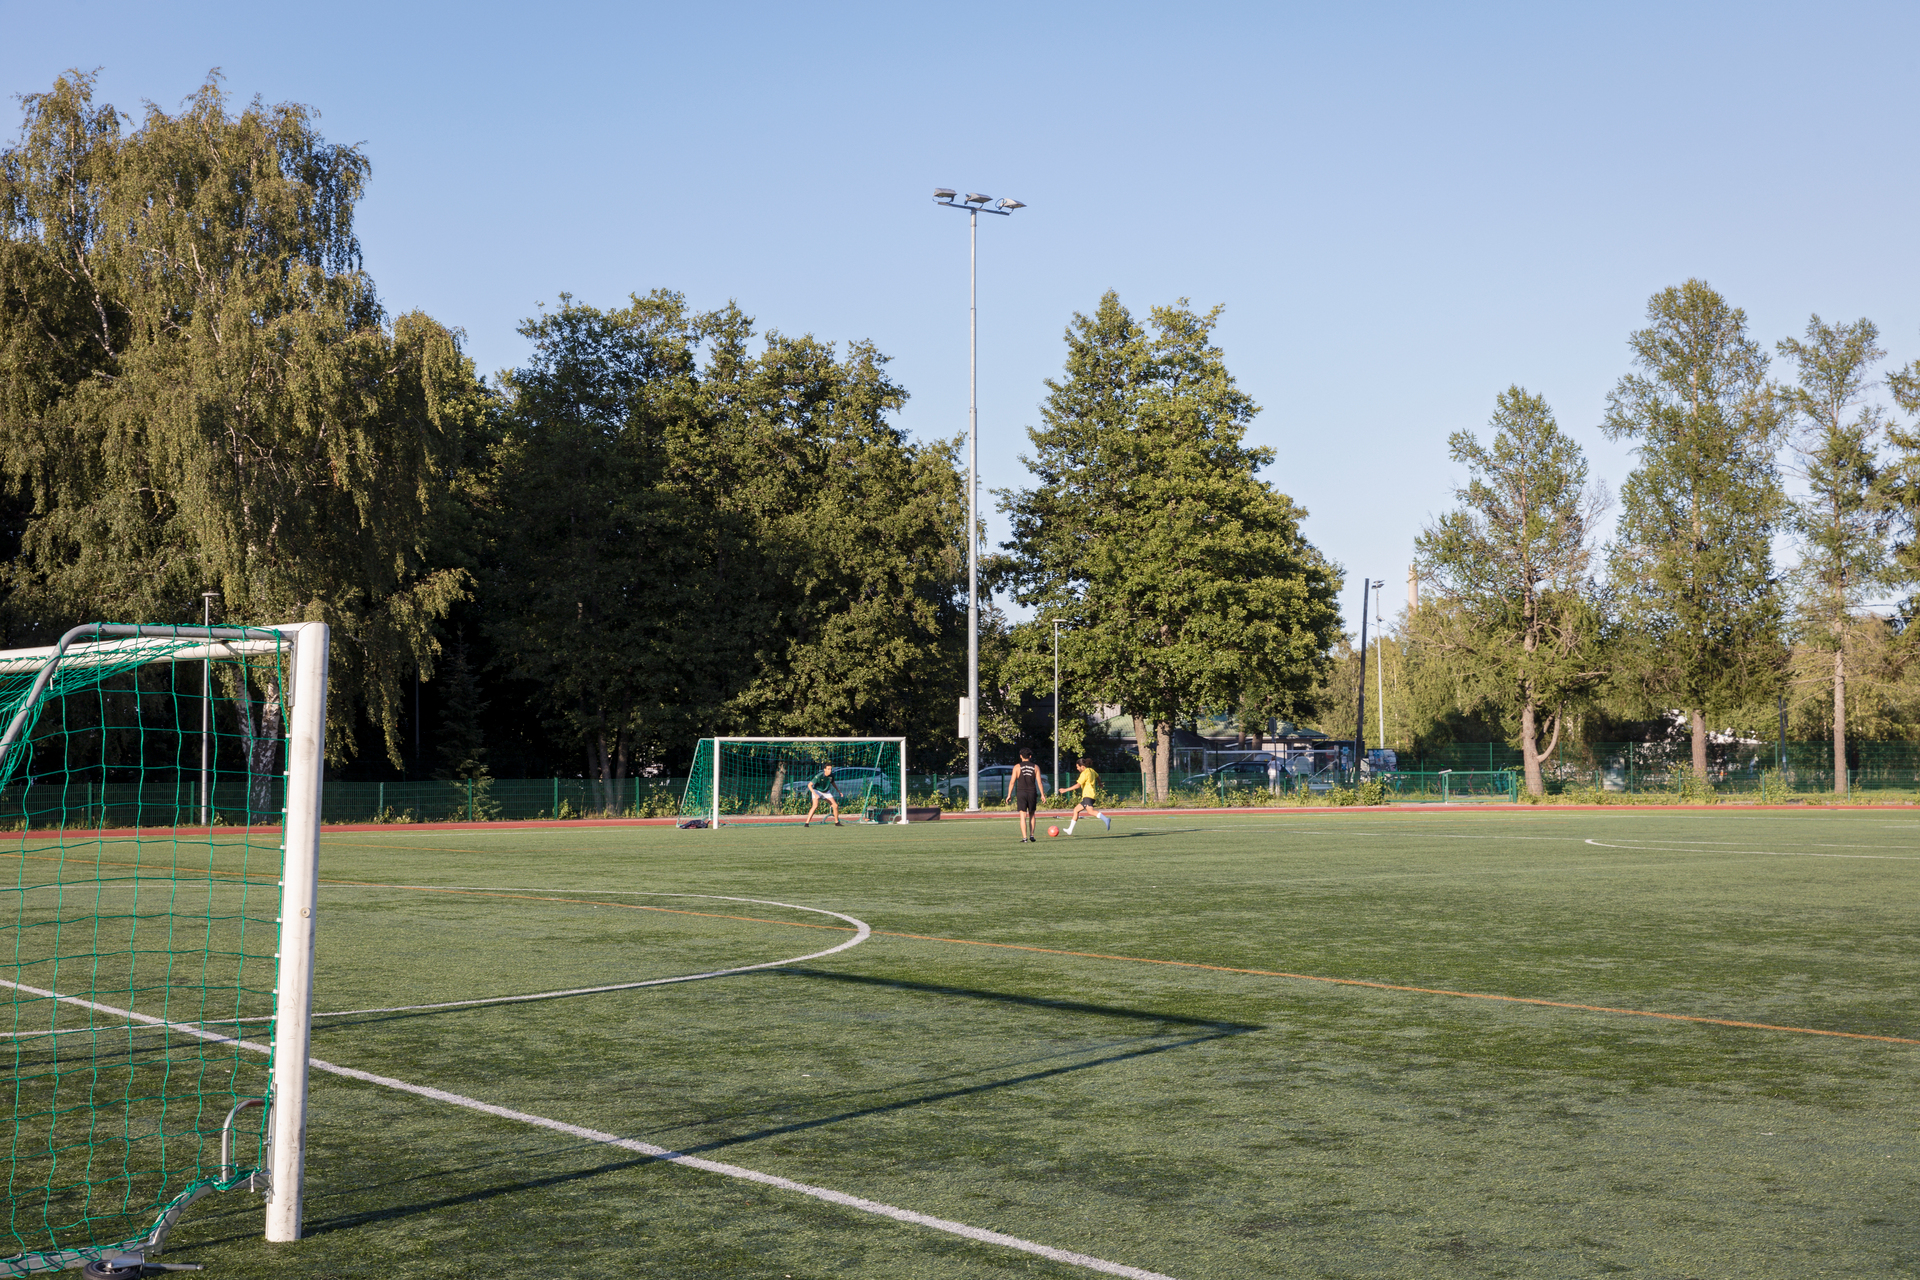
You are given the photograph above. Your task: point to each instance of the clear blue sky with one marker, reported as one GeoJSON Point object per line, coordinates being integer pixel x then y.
{"type": "Point", "coordinates": [1404, 208]}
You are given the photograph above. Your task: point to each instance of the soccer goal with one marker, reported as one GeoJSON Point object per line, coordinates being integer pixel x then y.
{"type": "Point", "coordinates": [1461, 786]}
{"type": "Point", "coordinates": [766, 779]}
{"type": "Point", "coordinates": [160, 825]}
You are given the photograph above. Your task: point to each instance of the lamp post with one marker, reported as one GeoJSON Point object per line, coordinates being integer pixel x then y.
{"type": "Point", "coordinates": [973, 203]}
{"type": "Point", "coordinates": [1380, 669]}
{"type": "Point", "coordinates": [206, 714]}
{"type": "Point", "coordinates": [1057, 624]}
{"type": "Point", "coordinates": [1360, 711]}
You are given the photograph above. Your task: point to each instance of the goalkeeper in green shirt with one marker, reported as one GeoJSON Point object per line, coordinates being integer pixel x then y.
{"type": "Point", "coordinates": [821, 787]}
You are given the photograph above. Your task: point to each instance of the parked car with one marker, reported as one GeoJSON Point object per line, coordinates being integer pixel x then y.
{"type": "Point", "coordinates": [853, 782]}
{"type": "Point", "coordinates": [1241, 773]}
{"type": "Point", "coordinates": [994, 780]}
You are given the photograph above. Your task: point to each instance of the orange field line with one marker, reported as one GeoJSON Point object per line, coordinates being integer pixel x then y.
{"type": "Point", "coordinates": [1177, 964]}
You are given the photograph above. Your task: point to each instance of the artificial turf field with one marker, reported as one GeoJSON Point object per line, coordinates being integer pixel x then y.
{"type": "Point", "coordinates": [1189, 1121]}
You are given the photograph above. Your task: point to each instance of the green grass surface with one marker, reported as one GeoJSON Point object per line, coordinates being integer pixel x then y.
{"type": "Point", "coordinates": [1188, 1121]}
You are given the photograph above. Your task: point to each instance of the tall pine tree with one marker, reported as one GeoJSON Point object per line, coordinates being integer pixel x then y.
{"type": "Point", "coordinates": [1841, 522]}
{"type": "Point", "coordinates": [1513, 600]}
{"type": "Point", "coordinates": [1692, 566]}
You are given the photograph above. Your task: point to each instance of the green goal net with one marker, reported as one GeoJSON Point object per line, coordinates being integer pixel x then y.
{"type": "Point", "coordinates": [777, 779]}
{"type": "Point", "coordinates": [146, 779]}
{"type": "Point", "coordinates": [1459, 786]}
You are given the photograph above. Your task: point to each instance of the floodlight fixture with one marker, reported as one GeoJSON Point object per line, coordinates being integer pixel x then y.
{"type": "Point", "coordinates": [943, 193]}
{"type": "Point", "coordinates": [1012, 204]}
{"type": "Point", "coordinates": [974, 197]}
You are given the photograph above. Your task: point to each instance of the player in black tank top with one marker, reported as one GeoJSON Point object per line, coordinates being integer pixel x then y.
{"type": "Point", "coordinates": [1026, 793]}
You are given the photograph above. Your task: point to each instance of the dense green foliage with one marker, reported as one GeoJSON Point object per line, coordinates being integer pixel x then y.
{"type": "Point", "coordinates": [1692, 561]}
{"type": "Point", "coordinates": [199, 391]}
{"type": "Point", "coordinates": [661, 526]}
{"type": "Point", "coordinates": [1841, 521]}
{"type": "Point", "coordinates": [1518, 615]}
{"type": "Point", "coordinates": [1183, 574]}
{"type": "Point", "coordinates": [1693, 626]}
{"type": "Point", "coordinates": [687, 536]}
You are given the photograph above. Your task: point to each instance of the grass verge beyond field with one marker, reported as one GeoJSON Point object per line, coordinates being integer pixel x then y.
{"type": "Point", "coordinates": [1188, 1121]}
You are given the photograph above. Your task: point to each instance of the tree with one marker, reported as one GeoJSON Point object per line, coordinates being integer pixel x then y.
{"type": "Point", "coordinates": [1900, 490]}
{"type": "Point", "coordinates": [199, 390]}
{"type": "Point", "coordinates": [462, 742]}
{"type": "Point", "coordinates": [1842, 522]}
{"type": "Point", "coordinates": [693, 538]}
{"type": "Point", "coordinates": [1692, 565]}
{"type": "Point", "coordinates": [605, 579]}
{"type": "Point", "coordinates": [862, 533]}
{"type": "Point", "coordinates": [1185, 575]}
{"type": "Point", "coordinates": [1510, 570]}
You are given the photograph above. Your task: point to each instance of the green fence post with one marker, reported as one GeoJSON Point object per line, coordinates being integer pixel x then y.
{"type": "Point", "coordinates": [556, 795]}
{"type": "Point", "coordinates": [381, 801]}
{"type": "Point", "coordinates": [469, 799]}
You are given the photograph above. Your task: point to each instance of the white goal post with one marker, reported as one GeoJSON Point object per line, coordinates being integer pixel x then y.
{"type": "Point", "coordinates": [715, 751]}
{"type": "Point", "coordinates": [291, 662]}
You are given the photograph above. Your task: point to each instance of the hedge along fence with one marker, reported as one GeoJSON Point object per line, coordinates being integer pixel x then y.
{"type": "Point", "coordinates": [1897, 762]}
{"type": "Point", "coordinates": [162, 800]}
{"type": "Point", "coordinates": [499, 800]}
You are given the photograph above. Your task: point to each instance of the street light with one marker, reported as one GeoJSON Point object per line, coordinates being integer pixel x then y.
{"type": "Point", "coordinates": [1057, 624]}
{"type": "Point", "coordinates": [206, 713]}
{"type": "Point", "coordinates": [1367, 586]}
{"type": "Point", "coordinates": [1380, 670]}
{"type": "Point", "coordinates": [974, 204]}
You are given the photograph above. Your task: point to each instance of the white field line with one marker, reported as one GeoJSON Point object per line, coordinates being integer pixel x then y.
{"type": "Point", "coordinates": [861, 932]}
{"type": "Point", "coordinates": [980, 1234]}
{"type": "Point", "coordinates": [664, 1154]}
{"type": "Point", "coordinates": [1724, 842]}
{"type": "Point", "coordinates": [1770, 853]}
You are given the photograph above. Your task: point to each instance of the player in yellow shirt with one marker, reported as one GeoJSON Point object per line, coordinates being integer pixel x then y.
{"type": "Point", "coordinates": [1087, 785]}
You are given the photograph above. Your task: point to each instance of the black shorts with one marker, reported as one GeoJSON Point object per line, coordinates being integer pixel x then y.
{"type": "Point", "coordinates": [1026, 801]}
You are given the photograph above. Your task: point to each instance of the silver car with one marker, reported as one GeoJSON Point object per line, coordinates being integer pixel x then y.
{"type": "Point", "coordinates": [994, 781]}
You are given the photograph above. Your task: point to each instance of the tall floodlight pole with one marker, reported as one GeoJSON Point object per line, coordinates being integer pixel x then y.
{"type": "Point", "coordinates": [973, 204]}
{"type": "Point", "coordinates": [206, 714]}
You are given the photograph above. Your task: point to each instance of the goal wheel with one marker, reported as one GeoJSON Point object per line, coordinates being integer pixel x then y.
{"type": "Point", "coordinates": [126, 1267]}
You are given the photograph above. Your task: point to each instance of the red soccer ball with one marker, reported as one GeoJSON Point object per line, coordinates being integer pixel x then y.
{"type": "Point", "coordinates": [1053, 831]}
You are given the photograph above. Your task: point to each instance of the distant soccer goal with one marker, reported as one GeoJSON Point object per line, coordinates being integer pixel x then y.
{"type": "Point", "coordinates": [159, 826]}
{"type": "Point", "coordinates": [1461, 786]}
{"type": "Point", "coordinates": [773, 779]}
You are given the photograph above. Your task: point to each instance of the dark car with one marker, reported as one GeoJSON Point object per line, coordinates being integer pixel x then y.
{"type": "Point", "coordinates": [1242, 773]}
